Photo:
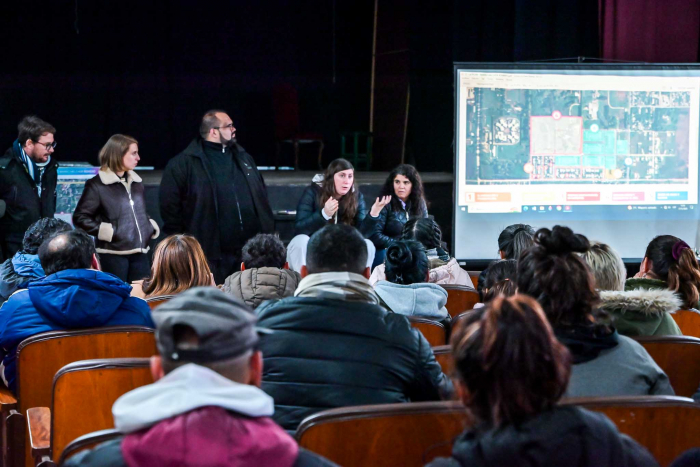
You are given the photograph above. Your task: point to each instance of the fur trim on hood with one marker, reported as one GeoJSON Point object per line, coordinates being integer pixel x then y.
{"type": "Point", "coordinates": [648, 302]}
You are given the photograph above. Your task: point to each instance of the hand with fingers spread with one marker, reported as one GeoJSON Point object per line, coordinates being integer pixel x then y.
{"type": "Point", "coordinates": [379, 205]}
{"type": "Point", "coordinates": [331, 207]}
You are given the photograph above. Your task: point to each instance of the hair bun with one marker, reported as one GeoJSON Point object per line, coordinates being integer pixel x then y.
{"type": "Point", "coordinates": [399, 254]}
{"type": "Point", "coordinates": [561, 240]}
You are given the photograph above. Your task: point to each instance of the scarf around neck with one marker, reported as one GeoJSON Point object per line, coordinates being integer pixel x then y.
{"type": "Point", "coordinates": [34, 169]}
{"type": "Point", "coordinates": [346, 286]}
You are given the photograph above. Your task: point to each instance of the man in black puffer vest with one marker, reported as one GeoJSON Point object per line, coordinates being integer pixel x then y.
{"type": "Point", "coordinates": [333, 344]}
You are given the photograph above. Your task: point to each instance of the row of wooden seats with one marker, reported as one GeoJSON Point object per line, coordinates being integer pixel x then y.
{"type": "Point", "coordinates": [369, 435]}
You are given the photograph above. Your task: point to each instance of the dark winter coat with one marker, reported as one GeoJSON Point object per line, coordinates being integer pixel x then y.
{"type": "Point", "coordinates": [328, 353]}
{"type": "Point", "coordinates": [309, 218]}
{"type": "Point", "coordinates": [20, 194]}
{"type": "Point", "coordinates": [256, 285]}
{"type": "Point", "coordinates": [389, 225]}
{"type": "Point", "coordinates": [188, 202]}
{"type": "Point", "coordinates": [114, 211]}
{"type": "Point", "coordinates": [567, 435]}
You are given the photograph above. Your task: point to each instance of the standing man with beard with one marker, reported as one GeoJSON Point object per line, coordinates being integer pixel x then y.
{"type": "Point", "coordinates": [28, 177]}
{"type": "Point", "coordinates": [213, 190]}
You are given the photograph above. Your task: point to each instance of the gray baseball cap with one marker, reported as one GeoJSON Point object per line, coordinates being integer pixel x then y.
{"type": "Point", "coordinates": [224, 325]}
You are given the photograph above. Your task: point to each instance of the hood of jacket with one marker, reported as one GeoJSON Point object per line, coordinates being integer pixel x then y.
{"type": "Point", "coordinates": [27, 265]}
{"type": "Point", "coordinates": [561, 436]}
{"type": "Point", "coordinates": [649, 302]}
{"type": "Point", "coordinates": [78, 297]}
{"type": "Point", "coordinates": [182, 390]}
{"type": "Point", "coordinates": [424, 299]}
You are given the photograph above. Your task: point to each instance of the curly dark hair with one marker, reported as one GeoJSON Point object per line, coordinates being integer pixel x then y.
{"type": "Point", "coordinates": [559, 279]}
{"type": "Point", "coordinates": [416, 198]}
{"type": "Point", "coordinates": [41, 230]}
{"type": "Point", "coordinates": [348, 202]}
{"type": "Point", "coordinates": [264, 251]}
{"type": "Point", "coordinates": [406, 262]}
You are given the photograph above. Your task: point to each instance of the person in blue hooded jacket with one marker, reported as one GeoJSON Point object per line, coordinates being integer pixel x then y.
{"type": "Point", "coordinates": [74, 294]}
{"type": "Point", "coordinates": [24, 266]}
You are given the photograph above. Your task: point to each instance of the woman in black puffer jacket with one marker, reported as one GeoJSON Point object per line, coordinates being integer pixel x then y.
{"type": "Point", "coordinates": [112, 208]}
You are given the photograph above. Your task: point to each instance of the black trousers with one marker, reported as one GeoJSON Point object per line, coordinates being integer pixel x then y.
{"type": "Point", "coordinates": [128, 268]}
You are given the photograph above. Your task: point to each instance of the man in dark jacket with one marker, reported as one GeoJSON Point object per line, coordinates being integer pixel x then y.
{"type": "Point", "coordinates": [213, 190]}
{"type": "Point", "coordinates": [334, 345]}
{"type": "Point", "coordinates": [28, 176]}
{"type": "Point", "coordinates": [74, 294]}
{"type": "Point", "coordinates": [24, 266]}
{"type": "Point", "coordinates": [206, 406]}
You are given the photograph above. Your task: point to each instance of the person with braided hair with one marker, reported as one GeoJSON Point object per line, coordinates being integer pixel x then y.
{"type": "Point", "coordinates": [605, 363]}
{"type": "Point", "coordinates": [511, 372]}
{"type": "Point", "coordinates": [443, 268]}
{"type": "Point", "coordinates": [406, 290]}
{"type": "Point", "coordinates": [669, 263]}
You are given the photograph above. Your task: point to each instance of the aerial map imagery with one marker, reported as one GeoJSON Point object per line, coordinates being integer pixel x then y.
{"type": "Point", "coordinates": [576, 136]}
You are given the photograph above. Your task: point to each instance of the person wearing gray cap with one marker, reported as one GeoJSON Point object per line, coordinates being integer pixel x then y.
{"type": "Point", "coordinates": [206, 406]}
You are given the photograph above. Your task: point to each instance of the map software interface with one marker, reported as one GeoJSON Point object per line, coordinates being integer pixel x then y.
{"type": "Point", "coordinates": [532, 142]}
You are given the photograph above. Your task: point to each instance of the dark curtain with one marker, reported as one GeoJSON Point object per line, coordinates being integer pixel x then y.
{"type": "Point", "coordinates": [650, 30]}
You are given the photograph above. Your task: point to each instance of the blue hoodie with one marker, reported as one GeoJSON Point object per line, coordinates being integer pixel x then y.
{"type": "Point", "coordinates": [17, 272]}
{"type": "Point", "coordinates": [70, 299]}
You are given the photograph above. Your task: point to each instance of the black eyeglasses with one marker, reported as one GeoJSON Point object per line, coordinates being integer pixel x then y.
{"type": "Point", "coordinates": [229, 126]}
{"type": "Point", "coordinates": [48, 146]}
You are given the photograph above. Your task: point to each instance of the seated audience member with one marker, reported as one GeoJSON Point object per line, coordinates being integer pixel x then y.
{"type": "Point", "coordinates": [206, 406]}
{"type": "Point", "coordinates": [500, 280]}
{"type": "Point", "coordinates": [406, 291]}
{"type": "Point", "coordinates": [332, 198]}
{"type": "Point", "coordinates": [669, 263]}
{"type": "Point", "coordinates": [512, 241]}
{"type": "Point", "coordinates": [640, 312]}
{"type": "Point", "coordinates": [178, 264]}
{"type": "Point", "coordinates": [605, 363]}
{"type": "Point", "coordinates": [443, 269]}
{"type": "Point", "coordinates": [511, 372]}
{"type": "Point", "coordinates": [24, 266]}
{"type": "Point", "coordinates": [405, 188]}
{"type": "Point", "coordinates": [334, 345]}
{"type": "Point", "coordinates": [263, 275]}
{"type": "Point", "coordinates": [74, 294]}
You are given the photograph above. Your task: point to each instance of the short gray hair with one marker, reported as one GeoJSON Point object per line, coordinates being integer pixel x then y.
{"type": "Point", "coordinates": [607, 267]}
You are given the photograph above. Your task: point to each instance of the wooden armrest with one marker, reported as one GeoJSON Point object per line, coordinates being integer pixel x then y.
{"type": "Point", "coordinates": [39, 424]}
{"type": "Point", "coordinates": [8, 401]}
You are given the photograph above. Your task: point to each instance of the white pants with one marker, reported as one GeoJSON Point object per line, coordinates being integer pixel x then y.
{"type": "Point", "coordinates": [296, 252]}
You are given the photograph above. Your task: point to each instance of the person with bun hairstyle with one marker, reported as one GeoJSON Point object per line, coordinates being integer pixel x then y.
{"type": "Point", "coordinates": [406, 290]}
{"type": "Point", "coordinates": [443, 269]}
{"type": "Point", "coordinates": [405, 188]}
{"type": "Point", "coordinates": [512, 241]}
{"type": "Point", "coordinates": [332, 198]}
{"type": "Point", "coordinates": [639, 312]}
{"type": "Point", "coordinates": [669, 263]}
{"type": "Point", "coordinates": [112, 208]}
{"type": "Point", "coordinates": [605, 363]}
{"type": "Point", "coordinates": [511, 372]}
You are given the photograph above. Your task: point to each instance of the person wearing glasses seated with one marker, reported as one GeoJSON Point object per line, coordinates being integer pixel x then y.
{"type": "Point", "coordinates": [28, 178]}
{"type": "Point", "coordinates": [213, 190]}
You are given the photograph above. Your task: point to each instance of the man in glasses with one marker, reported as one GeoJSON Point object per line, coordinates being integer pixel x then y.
{"type": "Point", "coordinates": [27, 182]}
{"type": "Point", "coordinates": [213, 190]}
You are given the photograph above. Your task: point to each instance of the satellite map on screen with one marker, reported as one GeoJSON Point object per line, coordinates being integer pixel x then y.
{"type": "Point", "coordinates": [535, 136]}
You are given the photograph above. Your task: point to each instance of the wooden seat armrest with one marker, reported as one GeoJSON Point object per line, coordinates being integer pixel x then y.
{"type": "Point", "coordinates": [39, 424]}
{"type": "Point", "coordinates": [8, 401]}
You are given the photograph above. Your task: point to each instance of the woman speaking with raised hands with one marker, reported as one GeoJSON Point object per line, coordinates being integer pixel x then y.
{"type": "Point", "coordinates": [112, 208]}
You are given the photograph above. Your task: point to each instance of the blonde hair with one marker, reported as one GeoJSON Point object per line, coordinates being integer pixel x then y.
{"type": "Point", "coordinates": [608, 268]}
{"type": "Point", "coordinates": [179, 264]}
{"type": "Point", "coordinates": [112, 153]}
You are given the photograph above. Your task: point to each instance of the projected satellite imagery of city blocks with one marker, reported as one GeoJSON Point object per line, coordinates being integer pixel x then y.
{"type": "Point", "coordinates": [535, 136]}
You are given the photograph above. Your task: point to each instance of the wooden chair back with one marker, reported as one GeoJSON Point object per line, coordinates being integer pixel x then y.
{"type": "Point", "coordinates": [666, 425]}
{"type": "Point", "coordinates": [154, 302]}
{"type": "Point", "coordinates": [361, 435]}
{"type": "Point", "coordinates": [688, 321]}
{"type": "Point", "coordinates": [87, 441]}
{"type": "Point", "coordinates": [443, 355]}
{"type": "Point", "coordinates": [474, 276]}
{"type": "Point", "coordinates": [39, 358]}
{"type": "Point", "coordinates": [433, 331]}
{"type": "Point", "coordinates": [679, 357]}
{"type": "Point", "coordinates": [459, 299]}
{"type": "Point", "coordinates": [84, 392]}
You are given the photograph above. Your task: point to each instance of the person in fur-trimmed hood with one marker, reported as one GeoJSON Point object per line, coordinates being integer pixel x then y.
{"type": "Point", "coordinates": [638, 307]}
